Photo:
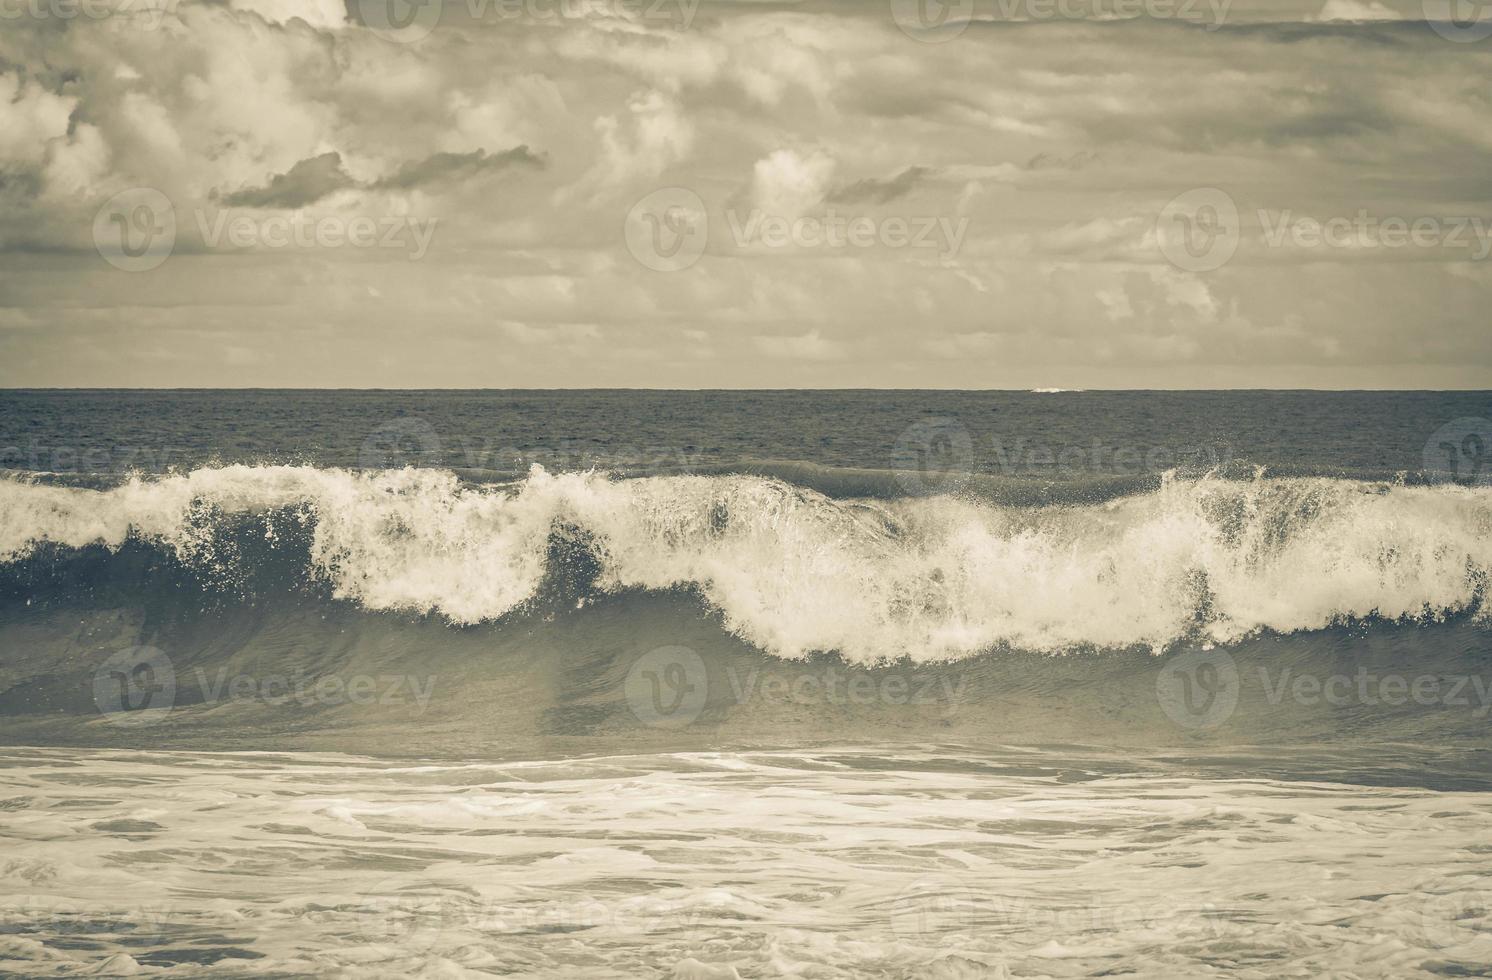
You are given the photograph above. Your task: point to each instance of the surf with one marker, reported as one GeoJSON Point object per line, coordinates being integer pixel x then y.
{"type": "Point", "coordinates": [794, 572]}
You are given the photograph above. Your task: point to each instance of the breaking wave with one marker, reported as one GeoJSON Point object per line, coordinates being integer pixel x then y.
{"type": "Point", "coordinates": [795, 572]}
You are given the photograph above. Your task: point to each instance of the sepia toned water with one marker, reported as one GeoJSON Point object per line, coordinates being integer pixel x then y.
{"type": "Point", "coordinates": [712, 684]}
{"type": "Point", "coordinates": [845, 863]}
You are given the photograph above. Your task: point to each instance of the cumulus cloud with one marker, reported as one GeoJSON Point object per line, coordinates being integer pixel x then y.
{"type": "Point", "coordinates": [788, 183]}
{"type": "Point", "coordinates": [1356, 10]}
{"type": "Point", "coordinates": [30, 118]}
{"type": "Point", "coordinates": [524, 142]}
{"type": "Point", "coordinates": [316, 13]}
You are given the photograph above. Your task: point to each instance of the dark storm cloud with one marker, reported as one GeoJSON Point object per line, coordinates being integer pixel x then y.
{"type": "Point", "coordinates": [874, 191]}
{"type": "Point", "coordinates": [305, 183]}
{"type": "Point", "coordinates": [313, 179]}
{"type": "Point", "coordinates": [1054, 161]}
{"type": "Point", "coordinates": [458, 167]}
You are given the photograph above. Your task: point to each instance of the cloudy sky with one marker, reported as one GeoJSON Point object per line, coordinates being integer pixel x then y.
{"type": "Point", "coordinates": [664, 193]}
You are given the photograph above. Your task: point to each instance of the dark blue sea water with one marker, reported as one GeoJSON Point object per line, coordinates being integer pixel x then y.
{"type": "Point", "coordinates": [745, 683]}
{"type": "Point", "coordinates": [1070, 434]}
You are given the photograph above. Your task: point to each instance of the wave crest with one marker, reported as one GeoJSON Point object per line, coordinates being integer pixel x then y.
{"type": "Point", "coordinates": [795, 572]}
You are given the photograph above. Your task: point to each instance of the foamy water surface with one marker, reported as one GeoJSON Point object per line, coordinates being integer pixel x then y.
{"type": "Point", "coordinates": [827, 864]}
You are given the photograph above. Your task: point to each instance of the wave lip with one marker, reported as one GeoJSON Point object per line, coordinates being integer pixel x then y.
{"type": "Point", "coordinates": [796, 572]}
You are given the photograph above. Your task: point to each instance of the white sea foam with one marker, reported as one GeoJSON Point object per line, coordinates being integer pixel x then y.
{"type": "Point", "coordinates": [793, 571]}
{"type": "Point", "coordinates": [779, 864]}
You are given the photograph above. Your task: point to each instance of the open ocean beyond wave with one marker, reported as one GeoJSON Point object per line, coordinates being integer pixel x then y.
{"type": "Point", "coordinates": [719, 684]}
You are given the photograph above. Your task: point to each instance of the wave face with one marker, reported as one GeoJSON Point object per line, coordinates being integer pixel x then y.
{"type": "Point", "coordinates": [794, 572]}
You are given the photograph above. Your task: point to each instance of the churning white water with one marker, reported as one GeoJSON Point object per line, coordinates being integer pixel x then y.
{"type": "Point", "coordinates": [825, 864]}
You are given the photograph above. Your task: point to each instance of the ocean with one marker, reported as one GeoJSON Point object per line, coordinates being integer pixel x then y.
{"type": "Point", "coordinates": [716, 684]}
